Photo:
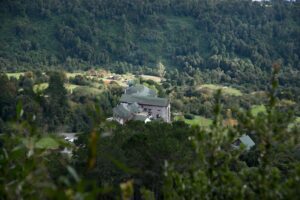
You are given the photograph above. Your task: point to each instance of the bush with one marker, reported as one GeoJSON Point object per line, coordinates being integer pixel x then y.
{"type": "Point", "coordinates": [189, 116]}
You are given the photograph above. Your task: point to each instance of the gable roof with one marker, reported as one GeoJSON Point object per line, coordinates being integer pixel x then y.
{"type": "Point", "coordinates": [140, 90]}
{"type": "Point", "coordinates": [135, 108]}
{"type": "Point", "coordinates": [247, 141]}
{"type": "Point", "coordinates": [122, 111]}
{"type": "Point", "coordinates": [145, 100]}
{"type": "Point", "coordinates": [140, 117]}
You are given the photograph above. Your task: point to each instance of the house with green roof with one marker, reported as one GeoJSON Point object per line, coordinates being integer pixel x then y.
{"type": "Point", "coordinates": [141, 103]}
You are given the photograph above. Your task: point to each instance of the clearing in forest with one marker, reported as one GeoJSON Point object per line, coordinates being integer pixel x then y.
{"type": "Point", "coordinates": [225, 89]}
{"type": "Point", "coordinates": [197, 120]}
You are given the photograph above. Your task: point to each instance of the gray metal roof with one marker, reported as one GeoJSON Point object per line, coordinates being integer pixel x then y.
{"type": "Point", "coordinates": [140, 117]}
{"type": "Point", "coordinates": [122, 111]}
{"type": "Point", "coordinates": [247, 141]}
{"type": "Point", "coordinates": [145, 100]}
{"type": "Point", "coordinates": [135, 108]}
{"type": "Point", "coordinates": [140, 90]}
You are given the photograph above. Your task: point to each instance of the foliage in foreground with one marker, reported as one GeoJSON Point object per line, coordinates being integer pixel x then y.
{"type": "Point", "coordinates": [270, 170]}
{"type": "Point", "coordinates": [134, 166]}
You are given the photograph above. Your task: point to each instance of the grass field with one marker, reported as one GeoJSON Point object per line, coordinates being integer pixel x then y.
{"type": "Point", "coordinates": [198, 120]}
{"type": "Point", "coordinates": [286, 102]}
{"type": "Point", "coordinates": [43, 86]}
{"type": "Point", "coordinates": [72, 75]}
{"type": "Point", "coordinates": [40, 87]}
{"type": "Point", "coordinates": [153, 78]}
{"type": "Point", "coordinates": [18, 74]}
{"type": "Point", "coordinates": [87, 91]}
{"type": "Point", "coordinates": [225, 90]}
{"type": "Point", "coordinates": [15, 75]}
{"type": "Point", "coordinates": [47, 143]}
{"type": "Point", "coordinates": [256, 109]}
{"type": "Point", "coordinates": [122, 81]}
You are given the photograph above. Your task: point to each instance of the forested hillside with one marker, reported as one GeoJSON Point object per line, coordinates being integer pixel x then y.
{"type": "Point", "coordinates": [144, 161]}
{"type": "Point", "coordinates": [235, 36]}
{"type": "Point", "coordinates": [229, 68]}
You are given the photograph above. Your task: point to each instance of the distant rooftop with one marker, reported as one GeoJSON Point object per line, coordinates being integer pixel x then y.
{"type": "Point", "coordinates": [140, 117]}
{"type": "Point", "coordinates": [134, 108]}
{"type": "Point", "coordinates": [122, 111]}
{"type": "Point", "coordinates": [140, 90]}
{"type": "Point", "coordinates": [145, 100]}
{"type": "Point", "coordinates": [247, 141]}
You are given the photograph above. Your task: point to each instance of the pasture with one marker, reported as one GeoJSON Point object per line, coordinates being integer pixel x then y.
{"type": "Point", "coordinates": [225, 89]}
{"type": "Point", "coordinates": [43, 86]}
{"type": "Point", "coordinates": [198, 120]}
{"type": "Point", "coordinates": [153, 78]}
{"type": "Point", "coordinates": [256, 109]}
{"type": "Point", "coordinates": [15, 75]}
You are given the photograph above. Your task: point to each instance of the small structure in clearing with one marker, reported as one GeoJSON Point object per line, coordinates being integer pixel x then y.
{"type": "Point", "coordinates": [245, 140]}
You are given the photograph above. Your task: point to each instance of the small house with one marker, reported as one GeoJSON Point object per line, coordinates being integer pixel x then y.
{"type": "Point", "coordinates": [244, 140]}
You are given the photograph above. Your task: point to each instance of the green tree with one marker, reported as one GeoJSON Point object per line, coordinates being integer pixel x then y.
{"type": "Point", "coordinates": [57, 107]}
{"type": "Point", "coordinates": [161, 69]}
{"type": "Point", "coordinates": [8, 96]}
{"type": "Point", "coordinates": [271, 169]}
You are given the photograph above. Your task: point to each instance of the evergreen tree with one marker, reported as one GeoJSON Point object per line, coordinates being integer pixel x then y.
{"type": "Point", "coordinates": [161, 69]}
{"type": "Point", "coordinates": [56, 100]}
{"type": "Point", "coordinates": [8, 93]}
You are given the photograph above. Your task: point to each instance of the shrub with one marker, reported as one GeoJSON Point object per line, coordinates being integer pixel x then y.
{"type": "Point", "coordinates": [189, 116]}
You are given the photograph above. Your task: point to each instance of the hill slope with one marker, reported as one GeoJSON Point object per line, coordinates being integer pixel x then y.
{"type": "Point", "coordinates": [199, 34]}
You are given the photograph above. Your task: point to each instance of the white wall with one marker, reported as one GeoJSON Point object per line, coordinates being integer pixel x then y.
{"type": "Point", "coordinates": [163, 112]}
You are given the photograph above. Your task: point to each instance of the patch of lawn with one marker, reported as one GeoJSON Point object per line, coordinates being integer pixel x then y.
{"type": "Point", "coordinates": [47, 143]}
{"type": "Point", "coordinates": [43, 86]}
{"type": "Point", "coordinates": [15, 75]}
{"type": "Point", "coordinates": [225, 90]}
{"type": "Point", "coordinates": [256, 109]}
{"type": "Point", "coordinates": [153, 78]}
{"type": "Point", "coordinates": [72, 75]}
{"type": "Point", "coordinates": [286, 102]}
{"type": "Point", "coordinates": [198, 120]}
{"type": "Point", "coordinates": [87, 91]}
{"type": "Point", "coordinates": [71, 87]}
{"type": "Point", "coordinates": [40, 87]}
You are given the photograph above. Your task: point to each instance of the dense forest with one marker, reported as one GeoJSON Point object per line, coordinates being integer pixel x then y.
{"type": "Point", "coordinates": [230, 69]}
{"type": "Point", "coordinates": [239, 40]}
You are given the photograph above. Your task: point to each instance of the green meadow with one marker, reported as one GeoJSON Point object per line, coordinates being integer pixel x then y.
{"type": "Point", "coordinates": [256, 109]}
{"type": "Point", "coordinates": [225, 90]}
{"type": "Point", "coordinates": [198, 120]}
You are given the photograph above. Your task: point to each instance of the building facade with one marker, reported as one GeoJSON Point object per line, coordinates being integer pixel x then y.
{"type": "Point", "coordinates": [140, 102]}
